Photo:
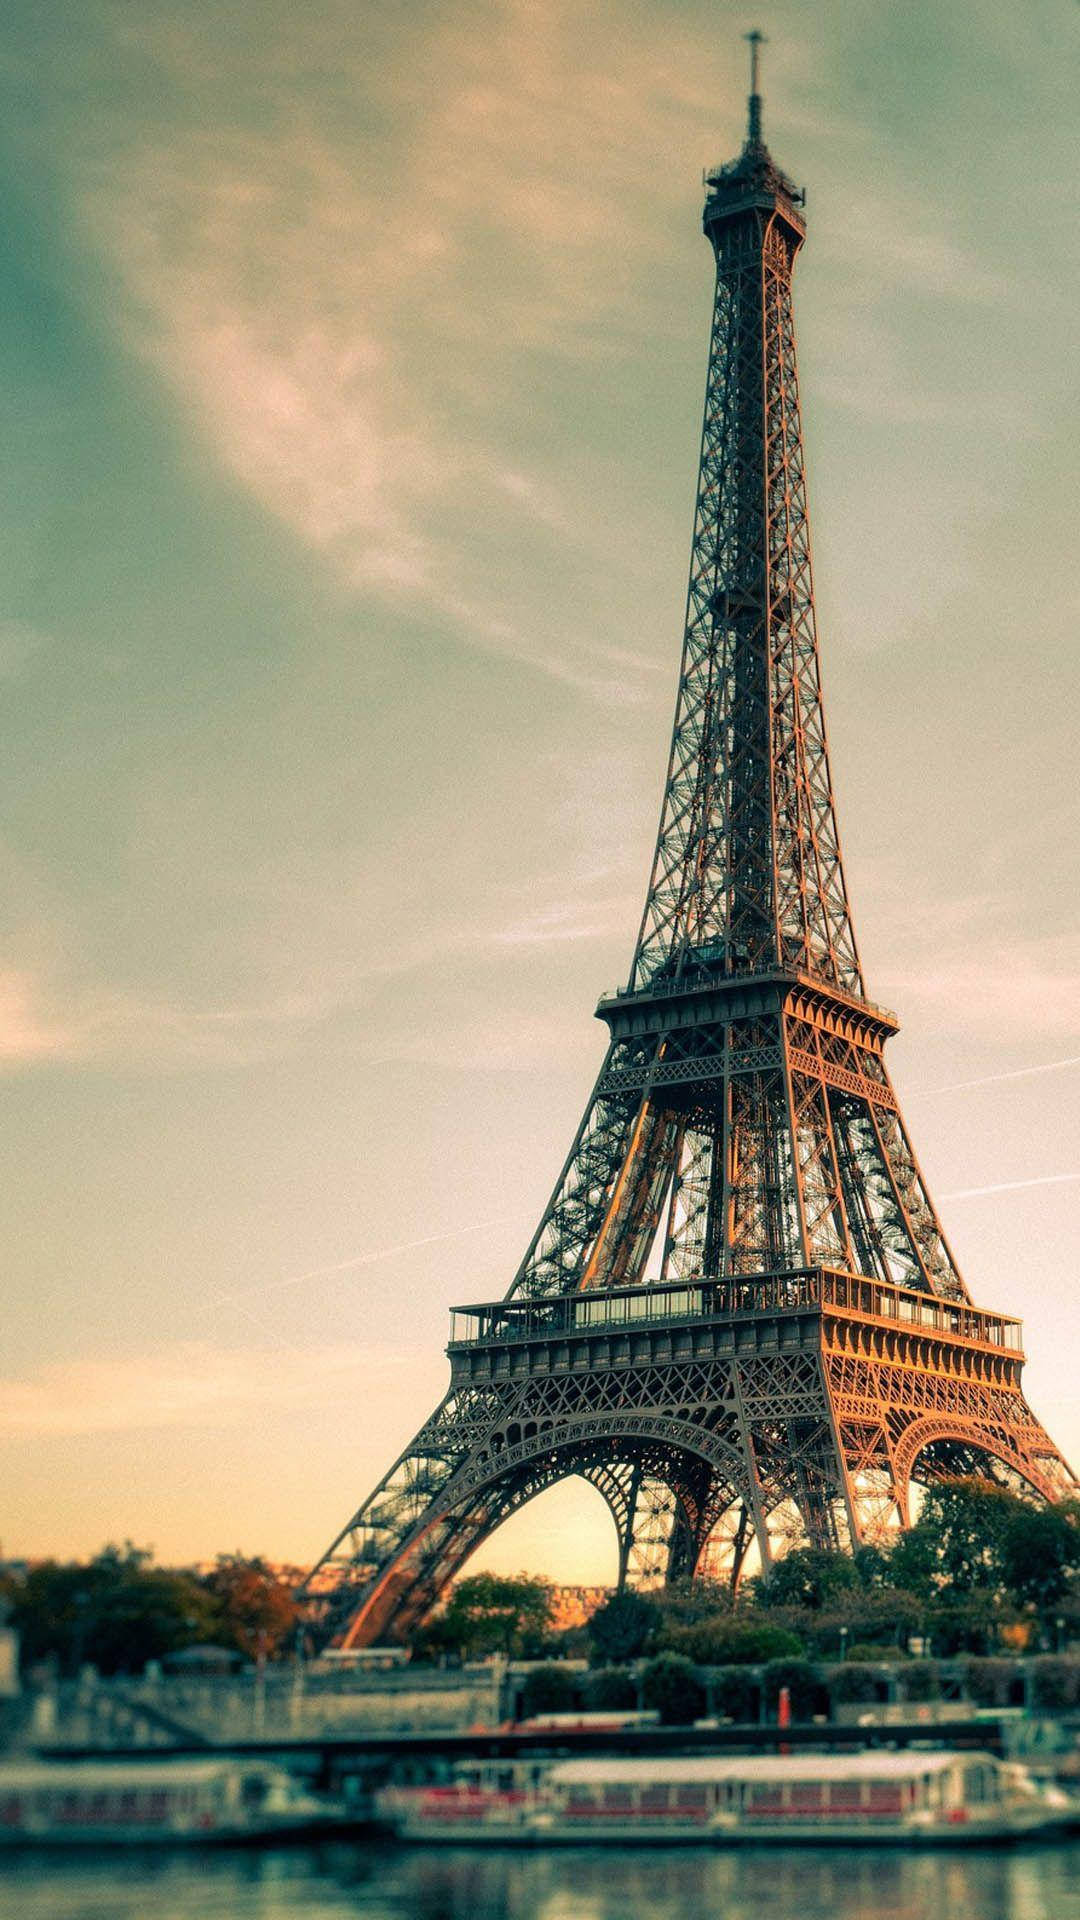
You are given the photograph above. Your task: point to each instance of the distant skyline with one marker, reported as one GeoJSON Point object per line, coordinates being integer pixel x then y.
{"type": "Point", "coordinates": [352, 371]}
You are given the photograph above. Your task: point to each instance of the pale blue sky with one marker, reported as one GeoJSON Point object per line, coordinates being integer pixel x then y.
{"type": "Point", "coordinates": [351, 372]}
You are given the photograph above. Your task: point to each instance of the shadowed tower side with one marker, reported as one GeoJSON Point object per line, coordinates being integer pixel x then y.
{"type": "Point", "coordinates": [809, 1347]}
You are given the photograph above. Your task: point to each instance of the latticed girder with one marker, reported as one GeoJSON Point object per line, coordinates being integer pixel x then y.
{"type": "Point", "coordinates": [747, 870]}
{"type": "Point", "coordinates": [754, 1141]}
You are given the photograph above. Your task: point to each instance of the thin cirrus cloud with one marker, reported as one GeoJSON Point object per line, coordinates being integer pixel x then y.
{"type": "Point", "coordinates": [194, 1383]}
{"type": "Point", "coordinates": [292, 285]}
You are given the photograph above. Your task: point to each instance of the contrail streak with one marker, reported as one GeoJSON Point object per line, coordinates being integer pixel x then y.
{"type": "Point", "coordinates": [1011, 1186]}
{"type": "Point", "coordinates": [992, 1079]}
{"type": "Point", "coordinates": [357, 1260]}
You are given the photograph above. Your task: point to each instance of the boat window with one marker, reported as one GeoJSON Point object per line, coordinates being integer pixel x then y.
{"type": "Point", "coordinates": [654, 1799]}
{"type": "Point", "coordinates": [979, 1784]}
{"type": "Point", "coordinates": [886, 1796]}
{"type": "Point", "coordinates": [691, 1799]}
{"type": "Point", "coordinates": [805, 1796]}
{"type": "Point", "coordinates": [618, 1799]}
{"type": "Point", "coordinates": [846, 1796]}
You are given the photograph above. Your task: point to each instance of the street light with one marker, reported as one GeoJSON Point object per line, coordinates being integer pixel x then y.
{"type": "Point", "coordinates": [843, 1643]}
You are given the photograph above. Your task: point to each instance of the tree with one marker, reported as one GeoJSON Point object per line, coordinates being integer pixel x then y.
{"type": "Point", "coordinates": [808, 1577]}
{"type": "Point", "coordinates": [958, 1539]}
{"type": "Point", "coordinates": [256, 1612]}
{"type": "Point", "coordinates": [622, 1628]}
{"type": "Point", "coordinates": [115, 1611]}
{"type": "Point", "coordinates": [490, 1614]}
{"type": "Point", "coordinates": [1040, 1551]}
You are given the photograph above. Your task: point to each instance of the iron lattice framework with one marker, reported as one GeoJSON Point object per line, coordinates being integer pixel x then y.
{"type": "Point", "coordinates": [808, 1347]}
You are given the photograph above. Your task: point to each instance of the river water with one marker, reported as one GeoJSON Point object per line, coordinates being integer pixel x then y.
{"type": "Point", "coordinates": [1031, 1882]}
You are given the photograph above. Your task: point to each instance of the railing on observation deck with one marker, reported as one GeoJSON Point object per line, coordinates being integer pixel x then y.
{"type": "Point", "coordinates": [798, 1290]}
{"type": "Point", "coordinates": [683, 985]}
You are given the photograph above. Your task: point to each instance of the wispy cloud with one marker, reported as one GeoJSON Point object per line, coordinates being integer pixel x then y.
{"type": "Point", "coordinates": [320, 299]}
{"type": "Point", "coordinates": [994, 1079]}
{"type": "Point", "coordinates": [1012, 1186]}
{"type": "Point", "coordinates": [1015, 986]}
{"type": "Point", "coordinates": [193, 1384]}
{"type": "Point", "coordinates": [30, 1031]}
{"type": "Point", "coordinates": [372, 1257]}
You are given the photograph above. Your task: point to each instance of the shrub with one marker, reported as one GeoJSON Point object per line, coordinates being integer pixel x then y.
{"type": "Point", "coordinates": [801, 1681]}
{"type": "Point", "coordinates": [735, 1696]}
{"type": "Point", "coordinates": [548, 1690]}
{"type": "Point", "coordinates": [670, 1686]}
{"type": "Point", "coordinates": [1055, 1681]}
{"type": "Point", "coordinates": [612, 1688]}
{"type": "Point", "coordinates": [989, 1682]}
{"type": "Point", "coordinates": [920, 1680]}
{"type": "Point", "coordinates": [723, 1642]}
{"type": "Point", "coordinates": [854, 1682]}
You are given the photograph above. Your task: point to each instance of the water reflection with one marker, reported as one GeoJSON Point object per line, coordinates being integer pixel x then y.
{"type": "Point", "coordinates": [384, 1883]}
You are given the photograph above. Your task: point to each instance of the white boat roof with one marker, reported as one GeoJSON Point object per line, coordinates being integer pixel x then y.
{"type": "Point", "coordinates": [777, 1768]}
{"type": "Point", "coordinates": [100, 1775]}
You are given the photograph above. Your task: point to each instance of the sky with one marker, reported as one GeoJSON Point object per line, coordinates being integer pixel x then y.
{"type": "Point", "coordinates": [351, 370]}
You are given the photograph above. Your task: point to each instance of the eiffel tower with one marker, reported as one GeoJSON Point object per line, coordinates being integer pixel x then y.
{"type": "Point", "coordinates": [807, 1349]}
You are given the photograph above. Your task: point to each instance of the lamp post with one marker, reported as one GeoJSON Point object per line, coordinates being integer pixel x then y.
{"type": "Point", "coordinates": [843, 1643]}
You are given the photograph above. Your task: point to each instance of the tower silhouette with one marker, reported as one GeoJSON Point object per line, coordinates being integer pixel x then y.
{"type": "Point", "coordinates": [809, 1348]}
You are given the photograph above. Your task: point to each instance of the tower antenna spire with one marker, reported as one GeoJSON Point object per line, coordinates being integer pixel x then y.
{"type": "Point", "coordinates": [757, 40]}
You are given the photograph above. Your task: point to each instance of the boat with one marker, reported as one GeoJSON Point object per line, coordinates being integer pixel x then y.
{"type": "Point", "coordinates": [931, 1796]}
{"type": "Point", "coordinates": [146, 1802]}
{"type": "Point", "coordinates": [497, 1802]}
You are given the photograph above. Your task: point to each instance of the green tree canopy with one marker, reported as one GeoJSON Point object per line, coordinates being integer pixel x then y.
{"type": "Point", "coordinates": [116, 1611]}
{"type": "Point", "coordinates": [488, 1613]}
{"type": "Point", "coordinates": [622, 1628]}
{"type": "Point", "coordinates": [976, 1544]}
{"type": "Point", "coordinates": [808, 1577]}
{"type": "Point", "coordinates": [1040, 1553]}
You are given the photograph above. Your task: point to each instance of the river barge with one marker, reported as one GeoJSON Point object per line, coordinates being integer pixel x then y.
{"type": "Point", "coordinates": [150, 1802]}
{"type": "Point", "coordinates": [930, 1797]}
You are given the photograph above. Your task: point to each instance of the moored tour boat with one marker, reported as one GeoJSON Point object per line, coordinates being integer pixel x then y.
{"type": "Point", "coordinates": [146, 1802]}
{"type": "Point", "coordinates": [923, 1796]}
{"type": "Point", "coordinates": [486, 1801]}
